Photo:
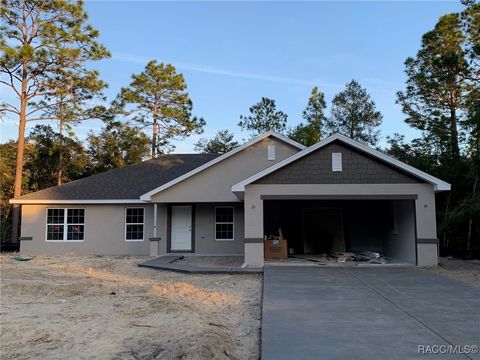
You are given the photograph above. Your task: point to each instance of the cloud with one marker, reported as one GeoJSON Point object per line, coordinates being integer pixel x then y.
{"type": "Point", "coordinates": [125, 57]}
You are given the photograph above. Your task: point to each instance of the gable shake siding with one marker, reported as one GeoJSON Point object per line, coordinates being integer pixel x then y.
{"type": "Point", "coordinates": [357, 168]}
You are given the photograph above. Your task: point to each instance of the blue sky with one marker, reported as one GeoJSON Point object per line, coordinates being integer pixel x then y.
{"type": "Point", "coordinates": [233, 53]}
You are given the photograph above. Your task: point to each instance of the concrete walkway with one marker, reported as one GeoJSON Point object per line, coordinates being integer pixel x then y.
{"type": "Point", "coordinates": [168, 262]}
{"type": "Point", "coordinates": [365, 313]}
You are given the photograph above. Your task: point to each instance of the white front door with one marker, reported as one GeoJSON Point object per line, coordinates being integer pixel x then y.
{"type": "Point", "coordinates": [181, 230]}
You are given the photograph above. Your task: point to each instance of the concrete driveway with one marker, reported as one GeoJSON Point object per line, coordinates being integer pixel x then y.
{"type": "Point", "coordinates": [366, 313]}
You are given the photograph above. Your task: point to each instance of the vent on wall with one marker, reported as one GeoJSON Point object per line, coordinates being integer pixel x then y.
{"type": "Point", "coordinates": [271, 152]}
{"type": "Point", "coordinates": [336, 161]}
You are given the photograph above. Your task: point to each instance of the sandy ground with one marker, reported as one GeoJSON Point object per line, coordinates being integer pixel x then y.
{"type": "Point", "coordinates": [464, 270]}
{"type": "Point", "coordinates": [58, 307]}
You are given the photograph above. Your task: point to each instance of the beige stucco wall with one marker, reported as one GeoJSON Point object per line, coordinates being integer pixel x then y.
{"type": "Point", "coordinates": [104, 231]}
{"type": "Point", "coordinates": [205, 242]}
{"type": "Point", "coordinates": [214, 184]}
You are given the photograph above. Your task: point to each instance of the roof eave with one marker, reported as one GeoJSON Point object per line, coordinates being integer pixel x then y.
{"type": "Point", "coordinates": [75, 201]}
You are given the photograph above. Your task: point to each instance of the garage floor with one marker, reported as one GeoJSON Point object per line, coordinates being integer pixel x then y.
{"type": "Point", "coordinates": [365, 313]}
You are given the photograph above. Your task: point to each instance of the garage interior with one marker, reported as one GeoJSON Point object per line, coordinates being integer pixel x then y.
{"type": "Point", "coordinates": [316, 227]}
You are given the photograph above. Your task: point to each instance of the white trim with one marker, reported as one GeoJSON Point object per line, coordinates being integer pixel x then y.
{"type": "Point", "coordinates": [125, 224]}
{"type": "Point", "coordinates": [65, 224]}
{"type": "Point", "coordinates": [155, 214]}
{"type": "Point", "coordinates": [58, 202]}
{"type": "Point", "coordinates": [439, 185]}
{"type": "Point", "coordinates": [147, 196]}
{"type": "Point", "coordinates": [233, 222]}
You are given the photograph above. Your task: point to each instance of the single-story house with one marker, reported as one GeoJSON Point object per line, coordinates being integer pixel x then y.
{"type": "Point", "coordinates": [335, 195]}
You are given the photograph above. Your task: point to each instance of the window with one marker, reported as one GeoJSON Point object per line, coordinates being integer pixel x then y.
{"type": "Point", "coordinates": [65, 224]}
{"type": "Point", "coordinates": [271, 152]}
{"type": "Point", "coordinates": [134, 223]}
{"type": "Point", "coordinates": [336, 161]}
{"type": "Point", "coordinates": [224, 223]}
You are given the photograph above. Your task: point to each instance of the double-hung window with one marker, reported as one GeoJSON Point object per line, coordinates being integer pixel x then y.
{"type": "Point", "coordinates": [65, 224]}
{"type": "Point", "coordinates": [224, 223]}
{"type": "Point", "coordinates": [134, 224]}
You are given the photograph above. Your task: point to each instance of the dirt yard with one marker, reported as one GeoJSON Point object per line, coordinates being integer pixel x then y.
{"type": "Point", "coordinates": [463, 270]}
{"type": "Point", "coordinates": [58, 307]}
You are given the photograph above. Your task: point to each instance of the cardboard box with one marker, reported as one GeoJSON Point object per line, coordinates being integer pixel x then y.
{"type": "Point", "coordinates": [275, 249]}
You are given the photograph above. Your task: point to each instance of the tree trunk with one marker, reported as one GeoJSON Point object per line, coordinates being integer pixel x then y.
{"type": "Point", "coordinates": [445, 238]}
{"type": "Point", "coordinates": [17, 190]}
{"type": "Point", "coordinates": [470, 221]}
{"type": "Point", "coordinates": [60, 155]}
{"type": "Point", "coordinates": [454, 135]}
{"type": "Point", "coordinates": [155, 132]}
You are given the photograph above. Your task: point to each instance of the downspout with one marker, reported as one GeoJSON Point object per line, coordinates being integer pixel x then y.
{"type": "Point", "coordinates": [155, 220]}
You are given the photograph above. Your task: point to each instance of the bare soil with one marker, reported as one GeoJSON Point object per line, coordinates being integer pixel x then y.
{"type": "Point", "coordinates": [58, 307]}
{"type": "Point", "coordinates": [464, 270]}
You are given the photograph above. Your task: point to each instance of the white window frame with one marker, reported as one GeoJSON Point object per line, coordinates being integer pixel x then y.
{"type": "Point", "coordinates": [233, 222]}
{"type": "Point", "coordinates": [65, 225]}
{"type": "Point", "coordinates": [125, 224]}
{"type": "Point", "coordinates": [337, 162]}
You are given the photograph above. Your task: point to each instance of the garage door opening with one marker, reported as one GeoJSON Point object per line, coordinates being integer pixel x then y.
{"type": "Point", "coordinates": [316, 227]}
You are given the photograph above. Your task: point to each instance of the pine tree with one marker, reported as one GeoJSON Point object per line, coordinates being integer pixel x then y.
{"type": "Point", "coordinates": [311, 132]}
{"type": "Point", "coordinates": [264, 117]}
{"type": "Point", "coordinates": [354, 114]}
{"type": "Point", "coordinates": [159, 101]}
{"type": "Point", "coordinates": [222, 142]}
{"type": "Point", "coordinates": [44, 47]}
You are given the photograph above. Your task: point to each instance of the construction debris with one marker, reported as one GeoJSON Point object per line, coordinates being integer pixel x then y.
{"type": "Point", "coordinates": [370, 257]}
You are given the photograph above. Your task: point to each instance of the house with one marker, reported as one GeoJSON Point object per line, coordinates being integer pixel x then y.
{"type": "Point", "coordinates": [335, 195]}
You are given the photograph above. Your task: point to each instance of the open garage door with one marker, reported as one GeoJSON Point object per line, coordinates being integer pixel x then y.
{"type": "Point", "coordinates": [321, 227]}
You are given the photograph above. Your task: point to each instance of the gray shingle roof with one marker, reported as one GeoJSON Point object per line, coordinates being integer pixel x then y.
{"type": "Point", "coordinates": [129, 182]}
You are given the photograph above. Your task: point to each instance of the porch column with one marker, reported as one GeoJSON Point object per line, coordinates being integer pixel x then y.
{"type": "Point", "coordinates": [253, 241]}
{"type": "Point", "coordinates": [427, 242]}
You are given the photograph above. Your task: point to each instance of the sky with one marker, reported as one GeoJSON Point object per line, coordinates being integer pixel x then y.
{"type": "Point", "coordinates": [233, 53]}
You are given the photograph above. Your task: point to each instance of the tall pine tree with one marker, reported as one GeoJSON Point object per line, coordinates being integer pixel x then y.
{"type": "Point", "coordinates": [314, 114]}
{"type": "Point", "coordinates": [157, 99]}
{"type": "Point", "coordinates": [354, 114]}
{"type": "Point", "coordinates": [264, 117]}
{"type": "Point", "coordinates": [45, 46]}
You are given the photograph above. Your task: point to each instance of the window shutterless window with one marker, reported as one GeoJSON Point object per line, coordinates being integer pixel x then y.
{"type": "Point", "coordinates": [224, 223]}
{"type": "Point", "coordinates": [65, 224]}
{"type": "Point", "coordinates": [134, 224]}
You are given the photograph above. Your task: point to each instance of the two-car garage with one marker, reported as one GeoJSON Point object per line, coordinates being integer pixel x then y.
{"type": "Point", "coordinates": [316, 227]}
{"type": "Point", "coordinates": [341, 196]}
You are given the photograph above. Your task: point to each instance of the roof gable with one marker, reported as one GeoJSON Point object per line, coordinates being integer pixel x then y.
{"type": "Point", "coordinates": [147, 196]}
{"type": "Point", "coordinates": [357, 168]}
{"type": "Point", "coordinates": [438, 184]}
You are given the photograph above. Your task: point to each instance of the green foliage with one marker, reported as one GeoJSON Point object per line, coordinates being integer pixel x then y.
{"type": "Point", "coordinates": [311, 132]}
{"type": "Point", "coordinates": [45, 45]}
{"type": "Point", "coordinates": [442, 100]}
{"type": "Point", "coordinates": [159, 101]}
{"type": "Point", "coordinates": [42, 158]}
{"type": "Point", "coordinates": [8, 157]}
{"type": "Point", "coordinates": [264, 117]}
{"type": "Point", "coordinates": [41, 166]}
{"type": "Point", "coordinates": [440, 85]}
{"type": "Point", "coordinates": [222, 142]}
{"type": "Point", "coordinates": [354, 114]}
{"type": "Point", "coordinates": [117, 145]}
